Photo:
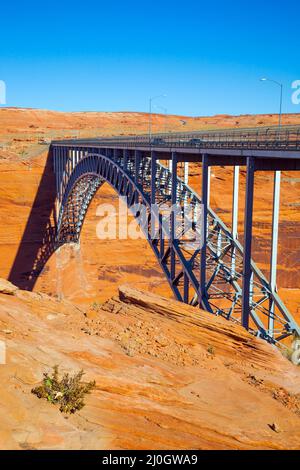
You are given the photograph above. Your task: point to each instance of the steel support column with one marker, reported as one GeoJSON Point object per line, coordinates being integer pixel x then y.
{"type": "Point", "coordinates": [55, 163]}
{"type": "Point", "coordinates": [208, 185]}
{"type": "Point", "coordinates": [125, 159]}
{"type": "Point", "coordinates": [235, 212]}
{"type": "Point", "coordinates": [153, 176]}
{"type": "Point", "coordinates": [186, 289]}
{"type": "Point", "coordinates": [59, 172]}
{"type": "Point", "coordinates": [235, 202]}
{"type": "Point", "coordinates": [274, 246]}
{"type": "Point", "coordinates": [161, 236]}
{"type": "Point", "coordinates": [205, 188]}
{"type": "Point", "coordinates": [173, 211]}
{"type": "Point", "coordinates": [186, 173]}
{"type": "Point", "coordinates": [246, 295]}
{"type": "Point", "coordinates": [137, 163]}
{"type": "Point", "coordinates": [64, 165]}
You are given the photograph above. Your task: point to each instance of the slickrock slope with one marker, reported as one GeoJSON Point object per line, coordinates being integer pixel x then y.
{"type": "Point", "coordinates": [168, 376]}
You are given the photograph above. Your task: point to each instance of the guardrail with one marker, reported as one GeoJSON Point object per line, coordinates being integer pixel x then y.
{"type": "Point", "coordinates": [284, 138]}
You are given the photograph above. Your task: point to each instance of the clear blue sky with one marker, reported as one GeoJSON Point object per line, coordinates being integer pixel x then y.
{"type": "Point", "coordinates": [110, 56]}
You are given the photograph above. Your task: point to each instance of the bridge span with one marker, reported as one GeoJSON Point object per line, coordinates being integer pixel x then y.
{"type": "Point", "coordinates": [220, 275]}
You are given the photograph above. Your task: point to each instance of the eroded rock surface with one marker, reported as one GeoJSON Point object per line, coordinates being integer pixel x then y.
{"type": "Point", "coordinates": [168, 376]}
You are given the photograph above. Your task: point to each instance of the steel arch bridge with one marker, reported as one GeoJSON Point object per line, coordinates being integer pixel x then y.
{"type": "Point", "coordinates": [219, 276]}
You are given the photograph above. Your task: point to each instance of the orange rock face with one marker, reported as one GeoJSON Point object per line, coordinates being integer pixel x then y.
{"type": "Point", "coordinates": [168, 376]}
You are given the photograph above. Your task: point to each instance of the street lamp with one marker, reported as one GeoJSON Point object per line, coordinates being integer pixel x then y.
{"type": "Point", "coordinates": [281, 89]}
{"type": "Point", "coordinates": [150, 112]}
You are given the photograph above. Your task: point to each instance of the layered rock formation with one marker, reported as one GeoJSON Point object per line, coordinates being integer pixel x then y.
{"type": "Point", "coordinates": [168, 376]}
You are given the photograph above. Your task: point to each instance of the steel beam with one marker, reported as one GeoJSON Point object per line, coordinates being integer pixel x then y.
{"type": "Point", "coordinates": [125, 159]}
{"type": "Point", "coordinates": [137, 163]}
{"type": "Point", "coordinates": [186, 173]}
{"type": "Point", "coordinates": [247, 272]}
{"type": "Point", "coordinates": [153, 177]}
{"type": "Point", "coordinates": [274, 246]}
{"type": "Point", "coordinates": [204, 200]}
{"type": "Point", "coordinates": [208, 184]}
{"type": "Point", "coordinates": [235, 213]}
{"type": "Point", "coordinates": [186, 289]}
{"type": "Point", "coordinates": [161, 236]}
{"type": "Point", "coordinates": [235, 202]}
{"type": "Point", "coordinates": [173, 212]}
{"type": "Point", "coordinates": [60, 173]}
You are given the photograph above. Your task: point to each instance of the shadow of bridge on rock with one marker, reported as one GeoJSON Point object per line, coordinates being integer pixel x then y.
{"type": "Point", "coordinates": [38, 240]}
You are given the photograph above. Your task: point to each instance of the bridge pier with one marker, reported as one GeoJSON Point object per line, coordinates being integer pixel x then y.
{"type": "Point", "coordinates": [204, 200]}
{"type": "Point", "coordinates": [186, 173]}
{"type": "Point", "coordinates": [137, 164]}
{"type": "Point", "coordinates": [125, 159]}
{"type": "Point", "coordinates": [235, 212]}
{"type": "Point", "coordinates": [153, 177]}
{"type": "Point", "coordinates": [274, 246]}
{"type": "Point", "coordinates": [173, 220]}
{"type": "Point", "coordinates": [247, 272]}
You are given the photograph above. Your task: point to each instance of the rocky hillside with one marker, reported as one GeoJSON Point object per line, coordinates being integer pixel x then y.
{"type": "Point", "coordinates": [168, 376]}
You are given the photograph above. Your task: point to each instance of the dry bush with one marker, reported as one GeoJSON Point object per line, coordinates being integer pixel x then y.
{"type": "Point", "coordinates": [68, 392]}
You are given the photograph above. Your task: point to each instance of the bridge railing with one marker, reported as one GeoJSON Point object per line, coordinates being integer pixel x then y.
{"type": "Point", "coordinates": [284, 138]}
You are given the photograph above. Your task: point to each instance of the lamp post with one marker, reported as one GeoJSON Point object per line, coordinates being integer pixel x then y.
{"type": "Point", "coordinates": [281, 90]}
{"type": "Point", "coordinates": [275, 222]}
{"type": "Point", "coordinates": [151, 99]}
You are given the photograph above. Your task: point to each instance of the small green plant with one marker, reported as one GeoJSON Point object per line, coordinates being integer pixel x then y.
{"type": "Point", "coordinates": [211, 350]}
{"type": "Point", "coordinates": [68, 391]}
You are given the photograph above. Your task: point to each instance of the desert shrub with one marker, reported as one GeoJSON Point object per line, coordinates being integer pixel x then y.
{"type": "Point", "coordinates": [68, 392]}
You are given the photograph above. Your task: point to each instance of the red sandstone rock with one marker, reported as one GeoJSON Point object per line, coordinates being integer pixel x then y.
{"type": "Point", "coordinates": [157, 384]}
